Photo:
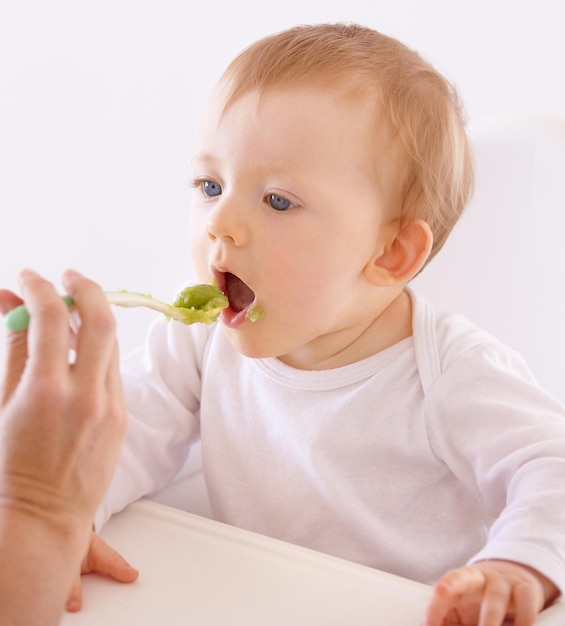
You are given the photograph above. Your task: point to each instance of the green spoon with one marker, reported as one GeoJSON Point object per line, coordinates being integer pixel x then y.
{"type": "Point", "coordinates": [198, 303]}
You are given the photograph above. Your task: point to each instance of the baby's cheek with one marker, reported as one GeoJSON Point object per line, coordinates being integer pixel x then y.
{"type": "Point", "coordinates": [199, 251]}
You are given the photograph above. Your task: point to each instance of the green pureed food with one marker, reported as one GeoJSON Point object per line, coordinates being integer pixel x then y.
{"type": "Point", "coordinates": [200, 303]}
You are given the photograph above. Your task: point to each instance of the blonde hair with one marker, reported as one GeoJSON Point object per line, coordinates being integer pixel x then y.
{"type": "Point", "coordinates": [420, 107]}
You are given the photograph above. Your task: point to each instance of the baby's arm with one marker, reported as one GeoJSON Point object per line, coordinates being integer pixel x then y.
{"type": "Point", "coordinates": [100, 559]}
{"type": "Point", "coordinates": [488, 592]}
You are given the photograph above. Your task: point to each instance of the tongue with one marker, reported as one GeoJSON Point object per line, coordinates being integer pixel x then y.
{"type": "Point", "coordinates": [238, 293]}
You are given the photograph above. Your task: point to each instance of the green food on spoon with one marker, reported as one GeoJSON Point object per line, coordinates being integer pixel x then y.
{"type": "Point", "coordinates": [198, 303]}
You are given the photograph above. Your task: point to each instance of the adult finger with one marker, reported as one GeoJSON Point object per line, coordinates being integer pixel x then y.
{"type": "Point", "coordinates": [16, 348]}
{"type": "Point", "coordinates": [8, 301]}
{"type": "Point", "coordinates": [48, 334]}
{"type": "Point", "coordinates": [96, 335]}
{"type": "Point", "coordinates": [114, 389]}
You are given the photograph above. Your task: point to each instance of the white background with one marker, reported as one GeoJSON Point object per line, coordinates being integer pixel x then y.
{"type": "Point", "coordinates": [99, 102]}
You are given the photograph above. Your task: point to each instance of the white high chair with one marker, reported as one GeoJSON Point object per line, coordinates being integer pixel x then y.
{"type": "Point", "coordinates": [504, 264]}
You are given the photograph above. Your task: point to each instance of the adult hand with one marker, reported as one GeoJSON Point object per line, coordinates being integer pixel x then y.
{"type": "Point", "coordinates": [62, 425]}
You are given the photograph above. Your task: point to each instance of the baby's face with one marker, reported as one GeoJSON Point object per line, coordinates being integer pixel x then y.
{"type": "Point", "coordinates": [285, 216]}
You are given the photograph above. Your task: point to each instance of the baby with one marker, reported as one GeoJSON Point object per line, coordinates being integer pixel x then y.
{"type": "Point", "coordinates": [347, 415]}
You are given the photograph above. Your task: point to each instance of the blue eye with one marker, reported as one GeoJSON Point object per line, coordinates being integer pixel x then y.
{"type": "Point", "coordinates": [279, 203]}
{"type": "Point", "coordinates": [211, 189]}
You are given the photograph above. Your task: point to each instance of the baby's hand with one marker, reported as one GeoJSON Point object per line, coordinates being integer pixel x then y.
{"type": "Point", "coordinates": [487, 593]}
{"type": "Point", "coordinates": [101, 559]}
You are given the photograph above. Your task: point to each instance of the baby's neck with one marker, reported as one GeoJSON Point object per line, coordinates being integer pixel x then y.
{"type": "Point", "coordinates": [388, 325]}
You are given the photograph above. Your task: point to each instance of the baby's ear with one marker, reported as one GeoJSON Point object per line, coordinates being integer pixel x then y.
{"type": "Point", "coordinates": [403, 257]}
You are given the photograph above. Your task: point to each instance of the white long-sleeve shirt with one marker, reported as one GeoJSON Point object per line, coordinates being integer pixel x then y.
{"type": "Point", "coordinates": [438, 451]}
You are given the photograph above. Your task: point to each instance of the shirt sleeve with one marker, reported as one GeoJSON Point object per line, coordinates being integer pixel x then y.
{"type": "Point", "coordinates": [162, 383]}
{"type": "Point", "coordinates": [504, 438]}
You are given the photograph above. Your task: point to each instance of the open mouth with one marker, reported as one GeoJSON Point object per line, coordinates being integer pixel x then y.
{"type": "Point", "coordinates": [240, 295]}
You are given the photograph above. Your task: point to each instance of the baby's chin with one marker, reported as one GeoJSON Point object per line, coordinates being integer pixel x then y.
{"type": "Point", "coordinates": [248, 343]}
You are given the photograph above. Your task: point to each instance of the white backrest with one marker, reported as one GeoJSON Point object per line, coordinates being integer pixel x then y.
{"type": "Point", "coordinates": [504, 264]}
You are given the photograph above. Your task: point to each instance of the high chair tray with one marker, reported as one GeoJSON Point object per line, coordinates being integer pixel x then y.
{"type": "Point", "coordinates": [195, 571]}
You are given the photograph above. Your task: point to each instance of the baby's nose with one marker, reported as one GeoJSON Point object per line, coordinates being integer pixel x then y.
{"type": "Point", "coordinates": [228, 223]}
